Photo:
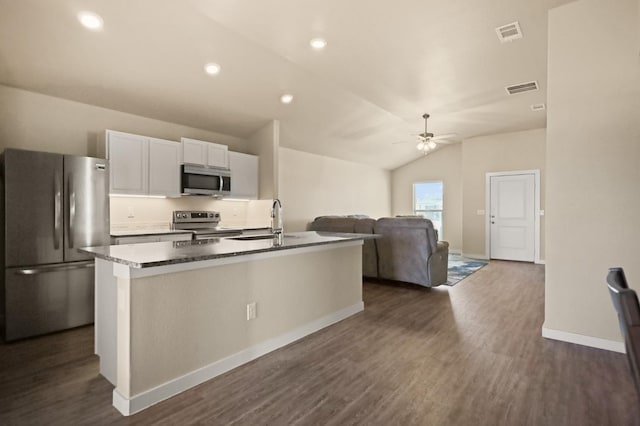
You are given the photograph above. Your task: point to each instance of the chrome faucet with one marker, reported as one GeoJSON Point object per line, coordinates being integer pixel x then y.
{"type": "Point", "coordinates": [276, 217]}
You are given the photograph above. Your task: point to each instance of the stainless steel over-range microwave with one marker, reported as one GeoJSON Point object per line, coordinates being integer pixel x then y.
{"type": "Point", "coordinates": [201, 180]}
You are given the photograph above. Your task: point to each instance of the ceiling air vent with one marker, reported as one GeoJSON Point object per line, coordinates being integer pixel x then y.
{"type": "Point", "coordinates": [509, 32]}
{"type": "Point", "coordinates": [537, 107]}
{"type": "Point", "coordinates": [522, 87]}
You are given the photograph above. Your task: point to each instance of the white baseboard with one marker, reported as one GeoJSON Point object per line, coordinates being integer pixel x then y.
{"type": "Point", "coordinates": [540, 262]}
{"type": "Point", "coordinates": [129, 406]}
{"type": "Point", "coordinates": [475, 256]}
{"type": "Point", "coordinates": [581, 339]}
{"type": "Point", "coordinates": [455, 251]}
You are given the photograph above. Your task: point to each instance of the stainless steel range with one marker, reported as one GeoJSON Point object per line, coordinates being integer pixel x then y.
{"type": "Point", "coordinates": [202, 223]}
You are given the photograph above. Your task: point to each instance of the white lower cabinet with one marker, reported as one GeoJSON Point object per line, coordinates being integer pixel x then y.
{"type": "Point", "coordinates": [244, 175]}
{"type": "Point", "coordinates": [141, 165]}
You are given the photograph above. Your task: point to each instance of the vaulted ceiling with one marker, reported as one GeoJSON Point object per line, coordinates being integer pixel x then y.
{"type": "Point", "coordinates": [385, 64]}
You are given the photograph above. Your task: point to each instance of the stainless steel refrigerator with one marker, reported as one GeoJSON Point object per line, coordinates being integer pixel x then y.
{"type": "Point", "coordinates": [51, 205]}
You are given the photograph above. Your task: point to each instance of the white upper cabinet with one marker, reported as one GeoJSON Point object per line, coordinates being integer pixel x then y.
{"type": "Point", "coordinates": [164, 167]}
{"type": "Point", "coordinates": [203, 153]}
{"type": "Point", "coordinates": [217, 155]}
{"type": "Point", "coordinates": [143, 166]}
{"type": "Point", "coordinates": [194, 152]}
{"type": "Point", "coordinates": [244, 175]}
{"type": "Point", "coordinates": [128, 163]}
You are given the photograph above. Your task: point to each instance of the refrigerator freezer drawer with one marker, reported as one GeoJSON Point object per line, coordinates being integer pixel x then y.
{"type": "Point", "coordinates": [49, 298]}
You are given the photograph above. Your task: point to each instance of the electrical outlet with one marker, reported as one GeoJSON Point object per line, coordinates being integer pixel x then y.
{"type": "Point", "coordinates": [130, 213]}
{"type": "Point", "coordinates": [251, 311]}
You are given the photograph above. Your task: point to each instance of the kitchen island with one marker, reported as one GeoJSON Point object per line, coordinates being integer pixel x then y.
{"type": "Point", "coordinates": [171, 315]}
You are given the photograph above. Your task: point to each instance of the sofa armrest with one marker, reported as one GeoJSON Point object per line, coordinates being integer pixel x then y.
{"type": "Point", "coordinates": [438, 264]}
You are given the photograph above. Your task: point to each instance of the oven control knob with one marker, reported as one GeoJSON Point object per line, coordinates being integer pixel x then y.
{"type": "Point", "coordinates": [184, 215]}
{"type": "Point", "coordinates": [210, 214]}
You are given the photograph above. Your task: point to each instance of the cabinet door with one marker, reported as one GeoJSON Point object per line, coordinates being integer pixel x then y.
{"type": "Point", "coordinates": [164, 167]}
{"type": "Point", "coordinates": [217, 155]}
{"type": "Point", "coordinates": [128, 163]}
{"type": "Point", "coordinates": [194, 152]}
{"type": "Point", "coordinates": [244, 175]}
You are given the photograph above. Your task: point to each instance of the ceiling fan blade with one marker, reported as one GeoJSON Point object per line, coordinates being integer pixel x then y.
{"type": "Point", "coordinates": [445, 136]}
{"type": "Point", "coordinates": [445, 141]}
{"type": "Point", "coordinates": [400, 142]}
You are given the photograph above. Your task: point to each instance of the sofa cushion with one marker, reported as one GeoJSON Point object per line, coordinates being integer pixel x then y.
{"type": "Point", "coordinates": [334, 224]}
{"type": "Point", "coordinates": [411, 222]}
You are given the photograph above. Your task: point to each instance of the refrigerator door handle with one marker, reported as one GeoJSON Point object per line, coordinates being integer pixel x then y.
{"type": "Point", "coordinates": [64, 267]}
{"type": "Point", "coordinates": [57, 216]}
{"type": "Point", "coordinates": [72, 209]}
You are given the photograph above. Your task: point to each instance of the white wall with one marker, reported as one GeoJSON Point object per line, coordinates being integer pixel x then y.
{"type": "Point", "coordinates": [445, 165]}
{"type": "Point", "coordinates": [497, 153]}
{"type": "Point", "coordinates": [311, 185]}
{"type": "Point", "coordinates": [264, 143]}
{"type": "Point", "coordinates": [593, 162]}
{"type": "Point", "coordinates": [45, 123]}
{"type": "Point", "coordinates": [463, 168]}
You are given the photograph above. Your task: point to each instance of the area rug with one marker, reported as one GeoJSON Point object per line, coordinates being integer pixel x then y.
{"type": "Point", "coordinates": [461, 267]}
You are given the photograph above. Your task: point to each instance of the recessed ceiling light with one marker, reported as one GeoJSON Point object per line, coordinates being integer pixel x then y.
{"type": "Point", "coordinates": [212, 68]}
{"type": "Point", "coordinates": [318, 43]}
{"type": "Point", "coordinates": [90, 20]}
{"type": "Point", "coordinates": [286, 98]}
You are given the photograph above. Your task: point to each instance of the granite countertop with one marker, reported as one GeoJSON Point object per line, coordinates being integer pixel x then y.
{"type": "Point", "coordinates": [141, 232]}
{"type": "Point", "coordinates": [146, 255]}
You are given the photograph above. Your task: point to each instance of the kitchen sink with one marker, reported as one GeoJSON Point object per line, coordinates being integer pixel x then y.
{"type": "Point", "coordinates": [259, 237]}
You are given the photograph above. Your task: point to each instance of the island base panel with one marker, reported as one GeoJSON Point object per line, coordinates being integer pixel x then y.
{"type": "Point", "coordinates": [178, 330]}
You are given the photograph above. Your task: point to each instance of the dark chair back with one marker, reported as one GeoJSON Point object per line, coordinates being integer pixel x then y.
{"type": "Point", "coordinates": [625, 301]}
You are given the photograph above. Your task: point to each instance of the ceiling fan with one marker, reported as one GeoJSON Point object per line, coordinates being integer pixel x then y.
{"type": "Point", "coordinates": [427, 140]}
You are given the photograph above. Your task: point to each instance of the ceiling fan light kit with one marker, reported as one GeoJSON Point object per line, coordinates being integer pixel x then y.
{"type": "Point", "coordinates": [427, 141]}
{"type": "Point", "coordinates": [425, 144]}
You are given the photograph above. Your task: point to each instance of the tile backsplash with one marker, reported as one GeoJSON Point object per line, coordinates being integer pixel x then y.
{"type": "Point", "coordinates": [144, 213]}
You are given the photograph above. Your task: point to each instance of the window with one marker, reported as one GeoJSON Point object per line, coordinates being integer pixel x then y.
{"type": "Point", "coordinates": [427, 202]}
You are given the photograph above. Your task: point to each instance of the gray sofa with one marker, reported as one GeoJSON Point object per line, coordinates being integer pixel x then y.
{"type": "Point", "coordinates": [350, 224]}
{"type": "Point", "coordinates": [408, 249]}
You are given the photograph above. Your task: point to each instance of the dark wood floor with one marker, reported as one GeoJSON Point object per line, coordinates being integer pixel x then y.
{"type": "Point", "coordinates": [467, 355]}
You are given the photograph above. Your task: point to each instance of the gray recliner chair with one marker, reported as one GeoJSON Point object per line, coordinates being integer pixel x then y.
{"type": "Point", "coordinates": [409, 251]}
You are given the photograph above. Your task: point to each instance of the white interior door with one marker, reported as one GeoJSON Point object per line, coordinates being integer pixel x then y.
{"type": "Point", "coordinates": [512, 215]}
